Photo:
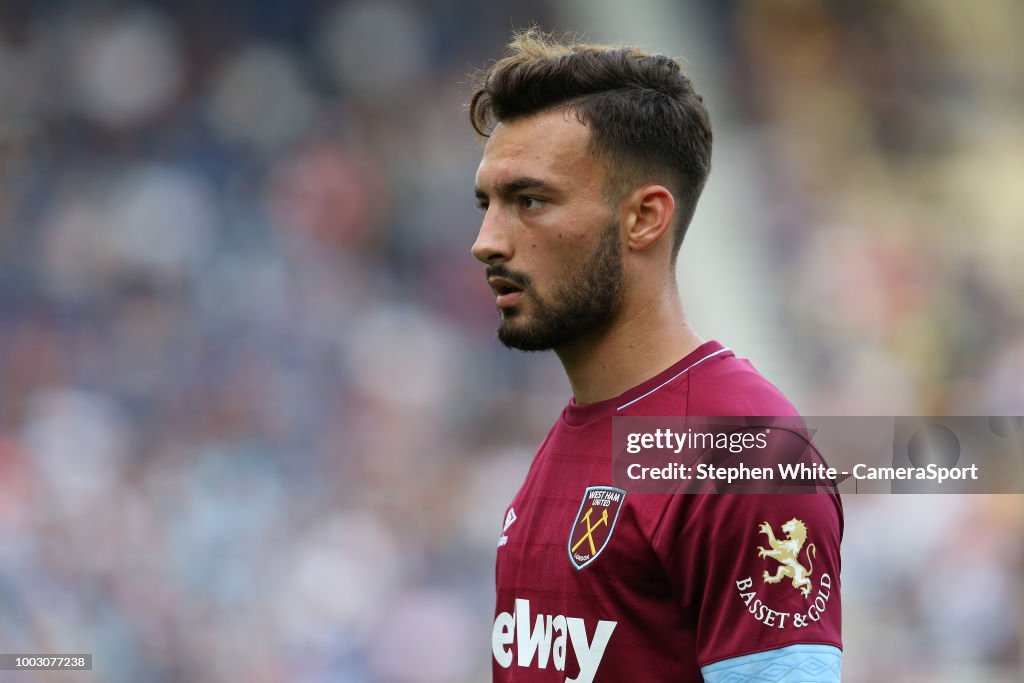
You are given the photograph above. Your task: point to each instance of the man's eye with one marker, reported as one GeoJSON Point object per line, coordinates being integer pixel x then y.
{"type": "Point", "coordinates": [530, 203]}
{"type": "Point", "coordinates": [481, 205]}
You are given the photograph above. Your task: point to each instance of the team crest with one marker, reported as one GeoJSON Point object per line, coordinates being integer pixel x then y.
{"type": "Point", "coordinates": [594, 523]}
{"type": "Point", "coordinates": [787, 553]}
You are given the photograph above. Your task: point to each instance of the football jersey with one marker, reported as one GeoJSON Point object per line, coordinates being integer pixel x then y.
{"type": "Point", "coordinates": [599, 585]}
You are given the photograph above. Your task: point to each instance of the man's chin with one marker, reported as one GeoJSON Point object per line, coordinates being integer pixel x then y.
{"type": "Point", "coordinates": [518, 342]}
{"type": "Point", "coordinates": [525, 334]}
{"type": "Point", "coordinates": [514, 334]}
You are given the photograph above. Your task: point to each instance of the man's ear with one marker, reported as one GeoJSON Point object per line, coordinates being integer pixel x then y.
{"type": "Point", "coordinates": [650, 213]}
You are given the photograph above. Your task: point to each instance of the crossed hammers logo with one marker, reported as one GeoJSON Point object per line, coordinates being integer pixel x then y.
{"type": "Point", "coordinates": [589, 536]}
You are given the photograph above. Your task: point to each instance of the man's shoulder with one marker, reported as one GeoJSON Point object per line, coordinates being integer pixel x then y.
{"type": "Point", "coordinates": [733, 386]}
{"type": "Point", "coordinates": [723, 386]}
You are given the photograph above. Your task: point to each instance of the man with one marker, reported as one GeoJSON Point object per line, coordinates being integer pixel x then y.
{"type": "Point", "coordinates": [594, 161]}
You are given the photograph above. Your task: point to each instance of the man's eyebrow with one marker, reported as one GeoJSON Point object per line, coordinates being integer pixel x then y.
{"type": "Point", "coordinates": [510, 187]}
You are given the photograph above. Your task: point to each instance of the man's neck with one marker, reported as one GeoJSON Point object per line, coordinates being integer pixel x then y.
{"type": "Point", "coordinates": [641, 342]}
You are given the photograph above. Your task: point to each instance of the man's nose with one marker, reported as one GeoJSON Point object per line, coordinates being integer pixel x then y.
{"type": "Point", "coordinates": [492, 243]}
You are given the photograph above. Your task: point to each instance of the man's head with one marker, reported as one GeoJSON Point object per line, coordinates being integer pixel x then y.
{"type": "Point", "coordinates": [593, 152]}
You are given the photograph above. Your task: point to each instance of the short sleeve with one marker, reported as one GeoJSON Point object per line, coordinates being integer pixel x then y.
{"type": "Point", "coordinates": [760, 571]}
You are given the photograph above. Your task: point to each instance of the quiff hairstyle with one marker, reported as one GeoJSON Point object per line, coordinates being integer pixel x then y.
{"type": "Point", "coordinates": [646, 121]}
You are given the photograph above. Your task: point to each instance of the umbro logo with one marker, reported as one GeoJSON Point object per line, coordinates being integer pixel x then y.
{"type": "Point", "coordinates": [509, 519]}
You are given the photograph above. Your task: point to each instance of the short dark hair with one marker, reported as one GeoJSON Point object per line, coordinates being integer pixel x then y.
{"type": "Point", "coordinates": [646, 120]}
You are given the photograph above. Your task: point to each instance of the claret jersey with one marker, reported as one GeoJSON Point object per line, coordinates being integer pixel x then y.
{"type": "Point", "coordinates": [599, 585]}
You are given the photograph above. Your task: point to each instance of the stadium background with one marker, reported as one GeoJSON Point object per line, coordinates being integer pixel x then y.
{"type": "Point", "coordinates": [254, 424]}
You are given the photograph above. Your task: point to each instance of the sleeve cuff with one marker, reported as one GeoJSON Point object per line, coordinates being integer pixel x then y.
{"type": "Point", "coordinates": [802, 663]}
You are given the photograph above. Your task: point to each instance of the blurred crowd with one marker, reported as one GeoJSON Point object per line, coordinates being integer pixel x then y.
{"type": "Point", "coordinates": [893, 139]}
{"type": "Point", "coordinates": [889, 140]}
{"type": "Point", "coordinates": [254, 423]}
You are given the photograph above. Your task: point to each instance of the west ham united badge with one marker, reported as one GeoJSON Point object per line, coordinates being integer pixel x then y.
{"type": "Point", "coordinates": [594, 523]}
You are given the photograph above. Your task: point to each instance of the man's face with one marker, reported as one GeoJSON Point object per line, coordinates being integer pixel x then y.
{"type": "Point", "coordinates": [549, 237]}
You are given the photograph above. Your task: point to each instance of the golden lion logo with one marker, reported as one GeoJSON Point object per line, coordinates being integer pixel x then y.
{"type": "Point", "coordinates": [787, 553]}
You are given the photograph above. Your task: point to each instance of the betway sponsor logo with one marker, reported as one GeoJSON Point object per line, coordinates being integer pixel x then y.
{"type": "Point", "coordinates": [544, 640]}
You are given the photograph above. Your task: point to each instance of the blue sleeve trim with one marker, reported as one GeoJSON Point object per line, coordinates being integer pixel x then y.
{"type": "Point", "coordinates": [791, 664]}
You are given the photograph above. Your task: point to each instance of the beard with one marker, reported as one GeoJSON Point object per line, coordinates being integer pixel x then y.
{"type": "Point", "coordinates": [587, 298]}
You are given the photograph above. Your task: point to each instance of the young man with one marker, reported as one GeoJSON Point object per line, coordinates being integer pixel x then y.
{"type": "Point", "coordinates": [595, 159]}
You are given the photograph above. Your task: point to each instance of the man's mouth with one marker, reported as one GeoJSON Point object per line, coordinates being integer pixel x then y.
{"type": "Point", "coordinates": [506, 292]}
